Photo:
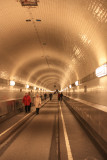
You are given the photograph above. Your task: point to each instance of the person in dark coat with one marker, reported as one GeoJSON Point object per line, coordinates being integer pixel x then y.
{"type": "Point", "coordinates": [50, 96]}
{"type": "Point", "coordinates": [61, 95]}
{"type": "Point", "coordinates": [29, 107]}
{"type": "Point", "coordinates": [58, 96]}
{"type": "Point", "coordinates": [26, 101]}
{"type": "Point", "coordinates": [45, 96]}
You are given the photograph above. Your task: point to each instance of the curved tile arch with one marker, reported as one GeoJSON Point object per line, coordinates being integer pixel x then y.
{"type": "Point", "coordinates": [27, 63]}
{"type": "Point", "coordinates": [58, 35]}
{"type": "Point", "coordinates": [46, 77]}
{"type": "Point", "coordinates": [48, 74]}
{"type": "Point", "coordinates": [38, 72]}
{"type": "Point", "coordinates": [51, 78]}
{"type": "Point", "coordinates": [51, 85]}
{"type": "Point", "coordinates": [54, 77]}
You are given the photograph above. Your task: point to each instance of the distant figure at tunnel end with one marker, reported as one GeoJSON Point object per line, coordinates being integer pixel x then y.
{"type": "Point", "coordinates": [45, 96]}
{"type": "Point", "coordinates": [60, 95]}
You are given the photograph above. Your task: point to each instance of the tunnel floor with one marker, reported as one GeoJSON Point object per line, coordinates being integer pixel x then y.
{"type": "Point", "coordinates": [42, 137]}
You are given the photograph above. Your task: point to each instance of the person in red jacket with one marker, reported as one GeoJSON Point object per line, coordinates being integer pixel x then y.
{"type": "Point", "coordinates": [58, 96]}
{"type": "Point", "coordinates": [26, 101]}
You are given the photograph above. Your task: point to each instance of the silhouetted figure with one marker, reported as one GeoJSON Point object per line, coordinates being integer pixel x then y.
{"type": "Point", "coordinates": [41, 97]}
{"type": "Point", "coordinates": [58, 96]}
{"type": "Point", "coordinates": [29, 107]}
{"type": "Point", "coordinates": [61, 95]}
{"type": "Point", "coordinates": [50, 96]}
{"type": "Point", "coordinates": [45, 96]}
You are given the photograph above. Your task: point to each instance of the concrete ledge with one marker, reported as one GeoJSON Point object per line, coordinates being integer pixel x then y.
{"type": "Point", "coordinates": [90, 121]}
{"type": "Point", "coordinates": [9, 131]}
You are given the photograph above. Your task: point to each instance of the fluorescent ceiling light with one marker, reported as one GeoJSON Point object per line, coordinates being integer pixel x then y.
{"type": "Point", "coordinates": [101, 71]}
{"type": "Point", "coordinates": [34, 88]}
{"type": "Point", "coordinates": [70, 86]}
{"type": "Point", "coordinates": [76, 83]}
{"type": "Point", "coordinates": [27, 86]}
{"type": "Point", "coordinates": [12, 83]}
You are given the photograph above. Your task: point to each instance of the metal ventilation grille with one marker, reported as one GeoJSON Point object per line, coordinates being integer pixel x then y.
{"type": "Point", "coordinates": [19, 84]}
{"type": "Point", "coordinates": [28, 2]}
{"type": "Point", "coordinates": [4, 81]}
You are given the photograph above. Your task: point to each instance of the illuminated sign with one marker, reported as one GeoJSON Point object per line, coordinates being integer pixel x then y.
{"type": "Point", "coordinates": [76, 83]}
{"type": "Point", "coordinates": [12, 83]}
{"type": "Point", "coordinates": [34, 88]}
{"type": "Point", "coordinates": [70, 86]}
{"type": "Point", "coordinates": [101, 71]}
{"type": "Point", "coordinates": [27, 86]}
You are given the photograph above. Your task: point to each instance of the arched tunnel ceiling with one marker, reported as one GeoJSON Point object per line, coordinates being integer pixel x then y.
{"type": "Point", "coordinates": [66, 45]}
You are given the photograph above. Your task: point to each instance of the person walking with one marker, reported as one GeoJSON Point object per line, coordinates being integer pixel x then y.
{"type": "Point", "coordinates": [45, 96]}
{"type": "Point", "coordinates": [50, 96]}
{"type": "Point", "coordinates": [61, 95]}
{"type": "Point", "coordinates": [58, 96]}
{"type": "Point", "coordinates": [29, 107]}
{"type": "Point", "coordinates": [37, 103]}
{"type": "Point", "coordinates": [26, 101]}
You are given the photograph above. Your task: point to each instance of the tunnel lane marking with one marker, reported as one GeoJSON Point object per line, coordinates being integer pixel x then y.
{"type": "Point", "coordinates": [69, 154]}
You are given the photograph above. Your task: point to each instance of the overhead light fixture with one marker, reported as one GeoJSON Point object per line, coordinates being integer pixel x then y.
{"type": "Point", "coordinates": [28, 2]}
{"type": "Point", "coordinates": [38, 20]}
{"type": "Point", "coordinates": [44, 43]}
{"type": "Point", "coordinates": [28, 20]}
{"type": "Point", "coordinates": [27, 86]}
{"type": "Point", "coordinates": [76, 83]}
{"type": "Point", "coordinates": [70, 86]}
{"type": "Point", "coordinates": [12, 83]}
{"type": "Point", "coordinates": [101, 71]}
{"type": "Point", "coordinates": [39, 89]}
{"type": "Point", "coordinates": [34, 88]}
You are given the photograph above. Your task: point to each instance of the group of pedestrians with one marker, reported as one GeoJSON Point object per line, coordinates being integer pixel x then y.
{"type": "Point", "coordinates": [60, 95]}
{"type": "Point", "coordinates": [45, 96]}
{"type": "Point", "coordinates": [37, 101]}
{"type": "Point", "coordinates": [27, 103]}
{"type": "Point", "coordinates": [50, 96]}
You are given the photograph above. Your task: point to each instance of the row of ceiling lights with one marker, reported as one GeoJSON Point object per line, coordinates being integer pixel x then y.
{"type": "Point", "coordinates": [12, 83]}
{"type": "Point", "coordinates": [100, 72]}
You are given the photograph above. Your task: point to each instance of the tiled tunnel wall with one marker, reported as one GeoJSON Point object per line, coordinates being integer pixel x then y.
{"type": "Point", "coordinates": [11, 101]}
{"type": "Point", "coordinates": [94, 91]}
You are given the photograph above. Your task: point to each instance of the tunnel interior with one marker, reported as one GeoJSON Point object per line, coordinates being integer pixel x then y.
{"type": "Point", "coordinates": [53, 44]}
